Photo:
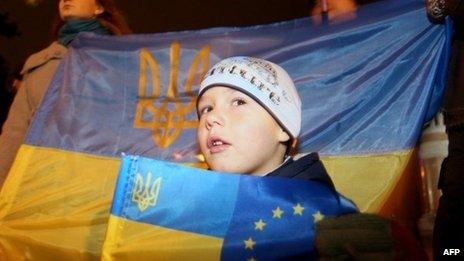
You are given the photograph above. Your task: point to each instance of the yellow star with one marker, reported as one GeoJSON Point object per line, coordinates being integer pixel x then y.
{"type": "Point", "coordinates": [318, 216]}
{"type": "Point", "coordinates": [298, 209]}
{"type": "Point", "coordinates": [251, 259]}
{"type": "Point", "coordinates": [277, 213]}
{"type": "Point", "coordinates": [249, 243]}
{"type": "Point", "coordinates": [260, 225]}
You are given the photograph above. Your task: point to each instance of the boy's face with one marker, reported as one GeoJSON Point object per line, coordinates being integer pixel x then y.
{"type": "Point", "coordinates": [237, 135]}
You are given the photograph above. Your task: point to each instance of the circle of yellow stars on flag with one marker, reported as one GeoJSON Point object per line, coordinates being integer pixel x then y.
{"type": "Point", "coordinates": [278, 213]}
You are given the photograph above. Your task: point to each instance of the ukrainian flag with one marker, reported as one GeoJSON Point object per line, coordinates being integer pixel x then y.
{"type": "Point", "coordinates": [165, 211]}
{"type": "Point", "coordinates": [367, 85]}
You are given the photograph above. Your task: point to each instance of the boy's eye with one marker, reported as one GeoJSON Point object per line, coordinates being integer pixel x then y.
{"type": "Point", "coordinates": [205, 110]}
{"type": "Point", "coordinates": [238, 102]}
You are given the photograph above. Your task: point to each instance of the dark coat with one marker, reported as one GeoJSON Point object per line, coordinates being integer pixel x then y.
{"type": "Point", "coordinates": [308, 167]}
{"type": "Point", "coordinates": [453, 103]}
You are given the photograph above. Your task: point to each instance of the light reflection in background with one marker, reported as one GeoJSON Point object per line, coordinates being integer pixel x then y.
{"type": "Point", "coordinates": [33, 2]}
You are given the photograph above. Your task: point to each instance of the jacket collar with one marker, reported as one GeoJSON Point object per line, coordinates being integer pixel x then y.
{"type": "Point", "coordinates": [308, 167]}
{"type": "Point", "coordinates": [53, 51]}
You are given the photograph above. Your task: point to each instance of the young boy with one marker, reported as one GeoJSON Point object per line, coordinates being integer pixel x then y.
{"type": "Point", "coordinates": [250, 118]}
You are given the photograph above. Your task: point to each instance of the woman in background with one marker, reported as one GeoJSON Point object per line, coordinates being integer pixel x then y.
{"type": "Point", "coordinates": [74, 16]}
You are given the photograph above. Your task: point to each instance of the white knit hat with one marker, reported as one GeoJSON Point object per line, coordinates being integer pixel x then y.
{"type": "Point", "coordinates": [266, 82]}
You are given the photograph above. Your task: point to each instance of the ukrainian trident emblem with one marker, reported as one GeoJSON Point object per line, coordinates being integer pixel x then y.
{"type": "Point", "coordinates": [168, 112]}
{"type": "Point", "coordinates": [145, 193]}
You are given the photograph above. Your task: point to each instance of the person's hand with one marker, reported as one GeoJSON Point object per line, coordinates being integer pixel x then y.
{"type": "Point", "coordinates": [435, 10]}
{"type": "Point", "coordinates": [355, 237]}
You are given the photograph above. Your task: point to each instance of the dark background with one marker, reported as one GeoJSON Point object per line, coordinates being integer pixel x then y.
{"type": "Point", "coordinates": [144, 16]}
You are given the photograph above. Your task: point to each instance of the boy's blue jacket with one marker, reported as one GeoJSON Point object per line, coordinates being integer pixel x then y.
{"type": "Point", "coordinates": [308, 167]}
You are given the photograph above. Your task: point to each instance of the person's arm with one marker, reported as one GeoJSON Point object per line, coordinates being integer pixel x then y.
{"type": "Point", "coordinates": [455, 8]}
{"type": "Point", "coordinates": [363, 236]}
{"type": "Point", "coordinates": [14, 130]}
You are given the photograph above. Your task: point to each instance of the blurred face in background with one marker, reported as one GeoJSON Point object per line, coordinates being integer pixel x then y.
{"type": "Point", "coordinates": [79, 9]}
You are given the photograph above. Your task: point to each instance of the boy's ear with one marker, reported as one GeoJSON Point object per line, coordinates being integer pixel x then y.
{"type": "Point", "coordinates": [283, 136]}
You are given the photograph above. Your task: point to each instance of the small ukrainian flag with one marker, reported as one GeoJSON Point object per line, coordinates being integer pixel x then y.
{"type": "Point", "coordinates": [165, 211]}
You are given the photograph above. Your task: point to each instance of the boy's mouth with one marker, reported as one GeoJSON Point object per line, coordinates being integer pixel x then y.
{"type": "Point", "coordinates": [216, 144]}
{"type": "Point", "coordinates": [67, 6]}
